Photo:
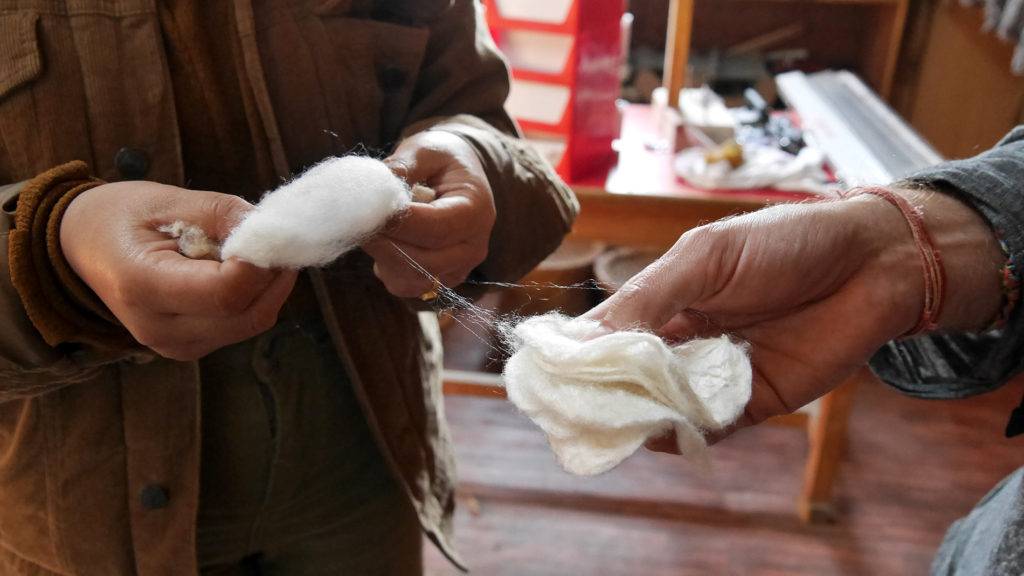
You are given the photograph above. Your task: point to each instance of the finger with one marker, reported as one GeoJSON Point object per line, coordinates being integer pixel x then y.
{"type": "Point", "coordinates": [716, 436]}
{"type": "Point", "coordinates": [397, 258]}
{"type": "Point", "coordinates": [406, 280]}
{"type": "Point", "coordinates": [405, 286]}
{"type": "Point", "coordinates": [445, 221]}
{"type": "Point", "coordinates": [168, 282]}
{"type": "Point", "coordinates": [451, 264]}
{"type": "Point", "coordinates": [184, 337]}
{"type": "Point", "coordinates": [216, 214]}
{"type": "Point", "coordinates": [644, 302]}
{"type": "Point", "coordinates": [400, 272]}
{"type": "Point", "coordinates": [423, 157]}
{"type": "Point", "coordinates": [173, 284]}
{"type": "Point", "coordinates": [415, 166]}
{"type": "Point", "coordinates": [701, 261]}
{"type": "Point", "coordinates": [689, 324]}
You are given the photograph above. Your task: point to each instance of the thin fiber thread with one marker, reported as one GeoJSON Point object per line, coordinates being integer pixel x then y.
{"type": "Point", "coordinates": [596, 397]}
{"type": "Point", "coordinates": [599, 397]}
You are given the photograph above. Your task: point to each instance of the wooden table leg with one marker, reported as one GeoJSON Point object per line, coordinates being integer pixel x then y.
{"type": "Point", "coordinates": [827, 434]}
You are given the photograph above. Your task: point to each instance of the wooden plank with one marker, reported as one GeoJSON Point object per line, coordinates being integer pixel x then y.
{"type": "Point", "coordinates": [473, 383]}
{"type": "Point", "coordinates": [677, 49]}
{"type": "Point", "coordinates": [648, 220]}
{"type": "Point", "coordinates": [827, 435]}
{"type": "Point", "coordinates": [794, 420]}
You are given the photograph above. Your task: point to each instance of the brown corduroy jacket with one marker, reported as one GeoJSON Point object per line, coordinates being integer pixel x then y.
{"type": "Point", "coordinates": [99, 444]}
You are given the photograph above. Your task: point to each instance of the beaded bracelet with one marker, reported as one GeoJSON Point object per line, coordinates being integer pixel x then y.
{"type": "Point", "coordinates": [1011, 287]}
{"type": "Point", "coordinates": [934, 271]}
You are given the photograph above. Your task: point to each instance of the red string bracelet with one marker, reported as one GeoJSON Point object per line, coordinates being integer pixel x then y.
{"type": "Point", "coordinates": [934, 271]}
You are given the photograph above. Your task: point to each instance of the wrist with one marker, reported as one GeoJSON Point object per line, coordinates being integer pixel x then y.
{"type": "Point", "coordinates": [972, 256]}
{"type": "Point", "coordinates": [954, 250]}
{"type": "Point", "coordinates": [892, 263]}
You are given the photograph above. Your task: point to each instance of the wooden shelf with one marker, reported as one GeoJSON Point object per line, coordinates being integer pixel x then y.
{"type": "Point", "coordinates": [861, 35]}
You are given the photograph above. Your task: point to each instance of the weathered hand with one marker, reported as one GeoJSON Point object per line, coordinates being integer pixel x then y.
{"type": "Point", "coordinates": [447, 237]}
{"type": "Point", "coordinates": [815, 289]}
{"type": "Point", "coordinates": [180, 308]}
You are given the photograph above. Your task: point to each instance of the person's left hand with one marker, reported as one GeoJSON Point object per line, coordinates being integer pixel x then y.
{"type": "Point", "coordinates": [447, 237]}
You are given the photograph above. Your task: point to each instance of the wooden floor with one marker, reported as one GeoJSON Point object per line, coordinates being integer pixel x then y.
{"type": "Point", "coordinates": [911, 468]}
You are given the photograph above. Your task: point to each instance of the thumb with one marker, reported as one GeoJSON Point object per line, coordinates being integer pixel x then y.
{"type": "Point", "coordinates": [425, 156]}
{"type": "Point", "coordinates": [415, 164]}
{"type": "Point", "coordinates": [155, 205]}
{"type": "Point", "coordinates": [217, 214]}
{"type": "Point", "coordinates": [642, 303]}
{"type": "Point", "coordinates": [658, 293]}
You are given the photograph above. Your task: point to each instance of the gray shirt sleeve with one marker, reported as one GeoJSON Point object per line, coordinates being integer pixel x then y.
{"type": "Point", "coordinates": [959, 365]}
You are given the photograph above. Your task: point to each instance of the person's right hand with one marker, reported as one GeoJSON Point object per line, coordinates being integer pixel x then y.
{"type": "Point", "coordinates": [180, 308]}
{"type": "Point", "coordinates": [815, 289]}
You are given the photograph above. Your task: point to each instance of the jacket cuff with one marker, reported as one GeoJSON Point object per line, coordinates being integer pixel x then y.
{"type": "Point", "coordinates": [9, 203]}
{"type": "Point", "coordinates": [60, 305]}
{"type": "Point", "coordinates": [962, 364]}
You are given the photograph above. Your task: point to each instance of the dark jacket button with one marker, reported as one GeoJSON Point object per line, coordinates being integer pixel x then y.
{"type": "Point", "coordinates": [155, 497]}
{"type": "Point", "coordinates": [131, 163]}
{"type": "Point", "coordinates": [390, 79]}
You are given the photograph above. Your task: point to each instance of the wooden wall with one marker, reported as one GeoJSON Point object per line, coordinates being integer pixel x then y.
{"type": "Point", "coordinates": [958, 91]}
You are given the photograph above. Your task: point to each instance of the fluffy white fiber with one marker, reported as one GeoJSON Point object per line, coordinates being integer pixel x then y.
{"type": "Point", "coordinates": [320, 215]}
{"type": "Point", "coordinates": [598, 399]}
{"type": "Point", "coordinates": [192, 241]}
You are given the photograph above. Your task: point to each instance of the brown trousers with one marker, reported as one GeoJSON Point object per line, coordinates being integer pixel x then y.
{"type": "Point", "coordinates": [292, 480]}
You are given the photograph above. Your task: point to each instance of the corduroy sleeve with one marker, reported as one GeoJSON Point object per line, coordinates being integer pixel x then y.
{"type": "Point", "coordinates": [56, 331]}
{"type": "Point", "coordinates": [959, 365]}
{"type": "Point", "coordinates": [62, 307]}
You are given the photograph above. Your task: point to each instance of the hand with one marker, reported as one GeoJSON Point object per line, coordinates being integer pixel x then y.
{"type": "Point", "coordinates": [446, 238]}
{"type": "Point", "coordinates": [815, 289]}
{"type": "Point", "coordinates": [180, 308]}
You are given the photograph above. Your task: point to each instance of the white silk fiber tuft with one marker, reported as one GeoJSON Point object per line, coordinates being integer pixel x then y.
{"type": "Point", "coordinates": [320, 215]}
{"type": "Point", "coordinates": [599, 398]}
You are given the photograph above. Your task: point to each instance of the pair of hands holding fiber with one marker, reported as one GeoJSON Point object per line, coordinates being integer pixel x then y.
{"type": "Point", "coordinates": [815, 289]}
{"type": "Point", "coordinates": [185, 309]}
